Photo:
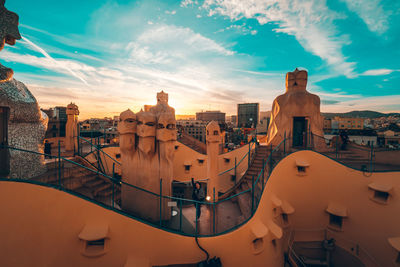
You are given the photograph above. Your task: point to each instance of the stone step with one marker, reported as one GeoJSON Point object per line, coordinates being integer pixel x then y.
{"type": "Point", "coordinates": [93, 183]}
{"type": "Point", "coordinates": [101, 187]}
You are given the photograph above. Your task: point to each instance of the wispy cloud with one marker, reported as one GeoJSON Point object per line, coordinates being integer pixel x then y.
{"type": "Point", "coordinates": [372, 13]}
{"type": "Point", "coordinates": [310, 21]}
{"type": "Point", "coordinates": [51, 62]}
{"type": "Point", "coordinates": [378, 72]}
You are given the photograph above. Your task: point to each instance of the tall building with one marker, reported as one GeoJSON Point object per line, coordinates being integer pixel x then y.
{"type": "Point", "coordinates": [208, 116]}
{"type": "Point", "coordinates": [57, 121]}
{"type": "Point", "coordinates": [248, 115]}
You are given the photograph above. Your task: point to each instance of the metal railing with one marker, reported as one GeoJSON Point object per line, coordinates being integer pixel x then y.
{"type": "Point", "coordinates": [249, 155]}
{"type": "Point", "coordinates": [70, 176]}
{"type": "Point", "coordinates": [351, 247]}
{"type": "Point", "coordinates": [366, 158]}
{"type": "Point", "coordinates": [96, 149]}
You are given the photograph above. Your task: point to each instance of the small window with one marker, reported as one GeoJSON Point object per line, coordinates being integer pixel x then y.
{"type": "Point", "coordinates": [380, 192]}
{"type": "Point", "coordinates": [258, 245]}
{"type": "Point", "coordinates": [227, 160]}
{"type": "Point", "coordinates": [398, 258]}
{"type": "Point", "coordinates": [335, 221]}
{"type": "Point", "coordinates": [381, 196]}
{"type": "Point", "coordinates": [187, 167]}
{"type": "Point", "coordinates": [215, 132]}
{"type": "Point", "coordinates": [301, 169]}
{"type": "Point", "coordinates": [176, 147]}
{"type": "Point", "coordinates": [117, 156]}
{"type": "Point", "coordinates": [201, 161]}
{"type": "Point", "coordinates": [99, 243]}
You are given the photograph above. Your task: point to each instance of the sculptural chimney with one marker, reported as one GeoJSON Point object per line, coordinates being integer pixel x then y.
{"type": "Point", "coordinates": [213, 139]}
{"type": "Point", "coordinates": [71, 128]}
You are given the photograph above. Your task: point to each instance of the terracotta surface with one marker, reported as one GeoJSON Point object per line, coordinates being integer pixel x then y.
{"type": "Point", "coordinates": [54, 235]}
{"type": "Point", "coordinates": [296, 102]}
{"type": "Point", "coordinates": [147, 142]}
{"type": "Point", "coordinates": [71, 141]}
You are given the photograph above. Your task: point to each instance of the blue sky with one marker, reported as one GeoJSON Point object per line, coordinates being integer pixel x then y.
{"type": "Point", "coordinates": [108, 56]}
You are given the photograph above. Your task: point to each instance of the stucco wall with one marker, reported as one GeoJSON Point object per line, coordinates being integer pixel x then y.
{"type": "Point", "coordinates": [40, 226]}
{"type": "Point", "coordinates": [368, 223]}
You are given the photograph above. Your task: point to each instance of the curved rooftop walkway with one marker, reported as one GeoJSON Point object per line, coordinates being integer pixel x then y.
{"type": "Point", "coordinates": [235, 207]}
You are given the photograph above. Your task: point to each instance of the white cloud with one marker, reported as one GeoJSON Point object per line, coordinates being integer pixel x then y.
{"type": "Point", "coordinates": [378, 72]}
{"type": "Point", "coordinates": [173, 35]}
{"type": "Point", "coordinates": [310, 21]}
{"type": "Point", "coordinates": [165, 44]}
{"type": "Point", "coordinates": [173, 12]}
{"type": "Point", "coordinates": [371, 12]}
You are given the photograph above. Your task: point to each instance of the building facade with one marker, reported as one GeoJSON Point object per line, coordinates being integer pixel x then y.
{"type": "Point", "coordinates": [208, 116]}
{"type": "Point", "coordinates": [194, 128]}
{"type": "Point", "coordinates": [350, 123]}
{"type": "Point", "coordinates": [57, 121]}
{"type": "Point", "coordinates": [248, 115]}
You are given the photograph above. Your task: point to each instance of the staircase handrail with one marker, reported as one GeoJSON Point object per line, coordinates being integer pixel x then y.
{"type": "Point", "coordinates": [98, 147]}
{"type": "Point", "coordinates": [240, 161]}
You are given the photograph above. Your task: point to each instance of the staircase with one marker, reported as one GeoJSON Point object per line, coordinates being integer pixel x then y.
{"type": "Point", "coordinates": [244, 201]}
{"type": "Point", "coordinates": [81, 180]}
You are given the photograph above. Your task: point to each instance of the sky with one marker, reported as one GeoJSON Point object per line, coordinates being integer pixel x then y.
{"type": "Point", "coordinates": [107, 55]}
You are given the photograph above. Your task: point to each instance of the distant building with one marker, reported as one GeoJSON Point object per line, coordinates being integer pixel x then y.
{"type": "Point", "coordinates": [350, 123]}
{"type": "Point", "coordinates": [57, 121]}
{"type": "Point", "coordinates": [232, 120]}
{"type": "Point", "coordinates": [208, 116]}
{"type": "Point", "coordinates": [327, 124]}
{"type": "Point", "coordinates": [265, 115]}
{"type": "Point", "coordinates": [262, 127]}
{"type": "Point", "coordinates": [97, 127]}
{"type": "Point", "coordinates": [361, 137]}
{"type": "Point", "coordinates": [194, 128]}
{"type": "Point", "coordinates": [248, 115]}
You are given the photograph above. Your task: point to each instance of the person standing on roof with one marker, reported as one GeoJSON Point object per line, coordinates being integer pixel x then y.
{"type": "Point", "coordinates": [197, 195]}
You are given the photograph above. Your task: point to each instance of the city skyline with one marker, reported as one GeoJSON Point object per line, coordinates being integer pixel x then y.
{"type": "Point", "coordinates": [117, 54]}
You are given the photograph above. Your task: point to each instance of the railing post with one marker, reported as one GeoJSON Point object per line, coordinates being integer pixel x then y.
{"type": "Point", "coordinates": [337, 144]}
{"type": "Point", "coordinates": [91, 141]}
{"type": "Point", "coordinates": [196, 221]}
{"type": "Point", "coordinates": [248, 156]}
{"type": "Point", "coordinates": [98, 158]}
{"type": "Point", "coordinates": [77, 139]}
{"type": "Point", "coordinates": [113, 181]}
{"type": "Point", "coordinates": [252, 194]}
{"type": "Point", "coordinates": [371, 156]}
{"type": "Point", "coordinates": [59, 164]}
{"type": "Point", "coordinates": [180, 215]}
{"type": "Point", "coordinates": [235, 172]}
{"type": "Point", "coordinates": [263, 174]}
{"type": "Point", "coordinates": [214, 210]}
{"type": "Point", "coordinates": [160, 201]}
